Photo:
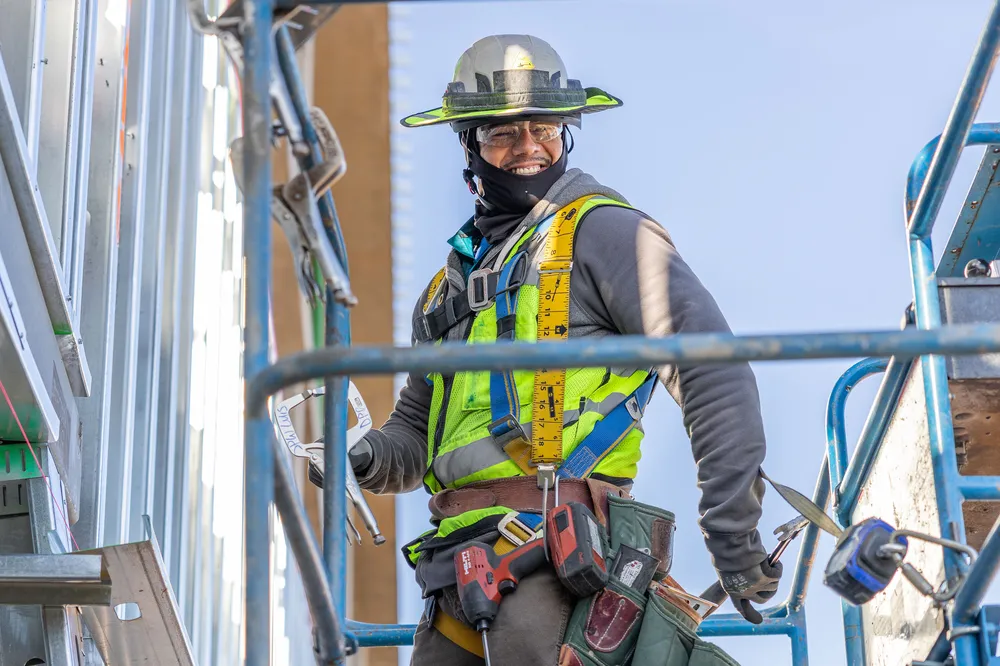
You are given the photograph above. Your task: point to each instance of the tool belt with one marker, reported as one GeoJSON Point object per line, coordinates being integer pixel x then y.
{"type": "Point", "coordinates": [521, 493]}
{"type": "Point", "coordinates": [619, 625]}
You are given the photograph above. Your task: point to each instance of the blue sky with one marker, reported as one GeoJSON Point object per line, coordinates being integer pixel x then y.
{"type": "Point", "coordinates": [772, 140]}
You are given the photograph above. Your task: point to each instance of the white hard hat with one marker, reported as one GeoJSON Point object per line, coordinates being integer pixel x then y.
{"type": "Point", "coordinates": [511, 76]}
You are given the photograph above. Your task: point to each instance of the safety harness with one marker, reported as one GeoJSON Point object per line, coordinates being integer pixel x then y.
{"type": "Point", "coordinates": [543, 450]}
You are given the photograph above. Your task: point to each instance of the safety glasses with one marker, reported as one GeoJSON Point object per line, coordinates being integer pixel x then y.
{"type": "Point", "coordinates": [508, 134]}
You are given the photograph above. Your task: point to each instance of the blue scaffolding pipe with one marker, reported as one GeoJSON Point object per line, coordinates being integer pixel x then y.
{"type": "Point", "coordinates": [258, 458]}
{"type": "Point", "coordinates": [618, 351]}
{"type": "Point", "coordinates": [981, 134]}
{"type": "Point", "coordinates": [337, 333]}
{"type": "Point", "coordinates": [853, 479]}
{"type": "Point", "coordinates": [308, 559]}
{"type": "Point", "coordinates": [836, 434]}
{"type": "Point", "coordinates": [836, 428]}
{"type": "Point", "coordinates": [980, 487]}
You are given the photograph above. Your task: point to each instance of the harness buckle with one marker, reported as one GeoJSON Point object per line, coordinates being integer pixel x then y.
{"type": "Point", "coordinates": [479, 289]}
{"type": "Point", "coordinates": [422, 330]}
{"type": "Point", "coordinates": [512, 529]}
{"type": "Point", "coordinates": [505, 430]}
{"type": "Point", "coordinates": [632, 406]}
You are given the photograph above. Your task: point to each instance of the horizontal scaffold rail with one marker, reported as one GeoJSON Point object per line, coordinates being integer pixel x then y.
{"type": "Point", "coordinates": [617, 351]}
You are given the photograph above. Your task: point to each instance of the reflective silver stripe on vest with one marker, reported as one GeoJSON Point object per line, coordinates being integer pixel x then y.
{"type": "Point", "coordinates": [471, 458]}
{"type": "Point", "coordinates": [480, 454]}
{"type": "Point", "coordinates": [604, 407]}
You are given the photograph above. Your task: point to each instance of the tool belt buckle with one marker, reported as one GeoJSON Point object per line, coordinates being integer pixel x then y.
{"type": "Point", "coordinates": [479, 289]}
{"type": "Point", "coordinates": [512, 529]}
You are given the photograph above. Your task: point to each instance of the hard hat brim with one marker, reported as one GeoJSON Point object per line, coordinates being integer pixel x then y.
{"type": "Point", "coordinates": [597, 100]}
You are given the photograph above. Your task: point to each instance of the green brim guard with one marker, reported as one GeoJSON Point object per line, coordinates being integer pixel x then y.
{"type": "Point", "coordinates": [597, 100]}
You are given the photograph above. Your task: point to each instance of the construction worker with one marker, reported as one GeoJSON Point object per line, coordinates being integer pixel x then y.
{"type": "Point", "coordinates": [551, 253]}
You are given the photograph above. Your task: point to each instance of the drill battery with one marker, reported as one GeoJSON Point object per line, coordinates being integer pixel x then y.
{"type": "Point", "coordinates": [576, 544]}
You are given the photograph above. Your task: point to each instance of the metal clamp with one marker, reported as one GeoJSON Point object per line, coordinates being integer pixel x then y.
{"type": "Point", "coordinates": [294, 207]}
{"type": "Point", "coordinates": [315, 451]}
{"type": "Point", "coordinates": [547, 271]}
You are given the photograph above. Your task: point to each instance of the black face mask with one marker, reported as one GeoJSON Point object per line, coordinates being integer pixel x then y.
{"type": "Point", "coordinates": [507, 192]}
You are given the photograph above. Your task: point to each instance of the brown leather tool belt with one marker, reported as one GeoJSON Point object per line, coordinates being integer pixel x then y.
{"type": "Point", "coordinates": [521, 493]}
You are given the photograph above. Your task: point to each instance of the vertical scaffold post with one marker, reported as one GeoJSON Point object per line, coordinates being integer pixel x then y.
{"type": "Point", "coordinates": [258, 460]}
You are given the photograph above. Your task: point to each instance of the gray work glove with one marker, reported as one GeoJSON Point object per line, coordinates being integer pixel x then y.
{"type": "Point", "coordinates": [756, 585]}
{"type": "Point", "coordinates": [360, 458]}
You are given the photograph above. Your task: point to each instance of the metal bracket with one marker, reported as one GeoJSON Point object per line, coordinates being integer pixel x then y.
{"type": "Point", "coordinates": [156, 635]}
{"type": "Point", "coordinates": [54, 580]}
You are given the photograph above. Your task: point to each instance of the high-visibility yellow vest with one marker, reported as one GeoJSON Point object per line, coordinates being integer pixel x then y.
{"type": "Point", "coordinates": [460, 446]}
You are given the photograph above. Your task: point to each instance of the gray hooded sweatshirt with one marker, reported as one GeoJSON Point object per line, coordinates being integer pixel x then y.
{"type": "Point", "coordinates": [627, 278]}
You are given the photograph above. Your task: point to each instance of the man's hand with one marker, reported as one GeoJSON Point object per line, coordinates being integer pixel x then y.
{"type": "Point", "coordinates": [757, 584]}
{"type": "Point", "coordinates": [360, 458]}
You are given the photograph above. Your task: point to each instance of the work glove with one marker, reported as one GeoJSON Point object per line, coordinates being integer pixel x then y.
{"type": "Point", "coordinates": [756, 585]}
{"type": "Point", "coordinates": [359, 458]}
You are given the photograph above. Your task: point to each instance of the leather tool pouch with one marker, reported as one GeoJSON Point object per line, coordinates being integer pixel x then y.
{"type": "Point", "coordinates": [643, 527]}
{"type": "Point", "coordinates": [621, 626]}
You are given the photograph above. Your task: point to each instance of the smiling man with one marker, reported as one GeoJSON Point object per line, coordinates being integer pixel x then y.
{"type": "Point", "coordinates": [550, 254]}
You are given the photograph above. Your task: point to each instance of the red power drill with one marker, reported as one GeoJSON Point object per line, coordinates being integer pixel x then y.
{"type": "Point", "coordinates": [576, 541]}
{"type": "Point", "coordinates": [484, 577]}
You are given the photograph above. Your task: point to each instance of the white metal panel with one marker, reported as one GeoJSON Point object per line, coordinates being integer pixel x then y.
{"type": "Point", "coordinates": [900, 624]}
{"type": "Point", "coordinates": [124, 523]}
{"type": "Point", "coordinates": [66, 24]}
{"type": "Point", "coordinates": [101, 259]}
{"type": "Point", "coordinates": [22, 37]}
{"type": "Point", "coordinates": [17, 164]}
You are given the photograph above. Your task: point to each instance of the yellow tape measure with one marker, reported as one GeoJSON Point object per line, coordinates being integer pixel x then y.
{"type": "Point", "coordinates": [553, 324]}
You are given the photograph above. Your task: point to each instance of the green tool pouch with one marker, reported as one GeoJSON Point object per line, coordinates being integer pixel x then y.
{"type": "Point", "coordinates": [620, 626]}
{"type": "Point", "coordinates": [603, 628]}
{"type": "Point", "coordinates": [668, 638]}
{"type": "Point", "coordinates": [643, 527]}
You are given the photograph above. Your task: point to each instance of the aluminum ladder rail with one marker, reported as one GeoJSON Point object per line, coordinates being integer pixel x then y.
{"type": "Point", "coordinates": [273, 484]}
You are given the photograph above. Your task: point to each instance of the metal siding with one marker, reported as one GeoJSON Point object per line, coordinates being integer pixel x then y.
{"type": "Point", "coordinates": [99, 284]}
{"type": "Point", "coordinates": [121, 523]}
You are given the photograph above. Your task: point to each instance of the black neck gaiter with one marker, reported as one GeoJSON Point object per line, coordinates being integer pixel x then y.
{"type": "Point", "coordinates": [505, 192]}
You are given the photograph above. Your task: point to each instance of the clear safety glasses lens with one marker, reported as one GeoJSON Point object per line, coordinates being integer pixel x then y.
{"type": "Point", "coordinates": [506, 135]}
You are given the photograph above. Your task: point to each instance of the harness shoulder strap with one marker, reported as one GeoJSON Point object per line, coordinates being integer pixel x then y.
{"type": "Point", "coordinates": [554, 270]}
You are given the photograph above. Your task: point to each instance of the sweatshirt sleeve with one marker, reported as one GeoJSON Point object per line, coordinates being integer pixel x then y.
{"type": "Point", "coordinates": [629, 277]}
{"type": "Point", "coordinates": [399, 447]}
